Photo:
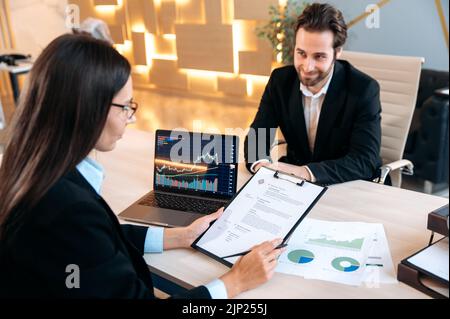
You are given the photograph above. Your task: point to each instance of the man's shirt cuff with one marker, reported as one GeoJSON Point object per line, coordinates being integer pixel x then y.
{"type": "Point", "coordinates": [313, 178]}
{"type": "Point", "coordinates": [263, 160]}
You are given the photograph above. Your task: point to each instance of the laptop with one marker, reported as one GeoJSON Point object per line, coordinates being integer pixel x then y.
{"type": "Point", "coordinates": [194, 174]}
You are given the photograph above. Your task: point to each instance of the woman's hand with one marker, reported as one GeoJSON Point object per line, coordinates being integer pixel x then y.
{"type": "Point", "coordinates": [253, 269]}
{"type": "Point", "coordinates": [183, 237]}
{"type": "Point", "coordinates": [199, 226]}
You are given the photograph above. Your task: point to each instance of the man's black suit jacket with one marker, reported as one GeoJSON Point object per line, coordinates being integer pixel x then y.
{"type": "Point", "coordinates": [348, 138]}
{"type": "Point", "coordinates": [72, 225]}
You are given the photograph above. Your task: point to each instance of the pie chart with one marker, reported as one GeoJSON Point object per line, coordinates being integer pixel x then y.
{"type": "Point", "coordinates": [345, 264]}
{"type": "Point", "coordinates": [301, 256]}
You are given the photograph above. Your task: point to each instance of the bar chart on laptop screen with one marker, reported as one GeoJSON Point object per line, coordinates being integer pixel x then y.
{"type": "Point", "coordinates": [207, 167]}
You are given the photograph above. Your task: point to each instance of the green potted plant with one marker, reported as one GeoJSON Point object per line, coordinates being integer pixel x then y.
{"type": "Point", "coordinates": [280, 30]}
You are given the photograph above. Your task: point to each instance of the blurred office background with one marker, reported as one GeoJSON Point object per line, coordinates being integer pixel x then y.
{"type": "Point", "coordinates": [201, 60]}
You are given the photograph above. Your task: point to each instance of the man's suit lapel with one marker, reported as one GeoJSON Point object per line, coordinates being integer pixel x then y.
{"type": "Point", "coordinates": [298, 118]}
{"type": "Point", "coordinates": [331, 107]}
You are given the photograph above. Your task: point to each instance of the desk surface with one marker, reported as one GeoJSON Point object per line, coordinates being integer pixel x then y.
{"type": "Point", "coordinates": [129, 173]}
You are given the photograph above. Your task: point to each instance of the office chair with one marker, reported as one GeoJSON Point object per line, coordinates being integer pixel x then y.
{"type": "Point", "coordinates": [2, 117]}
{"type": "Point", "coordinates": [398, 77]}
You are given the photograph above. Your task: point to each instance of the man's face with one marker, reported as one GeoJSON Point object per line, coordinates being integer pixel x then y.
{"type": "Point", "coordinates": [314, 56]}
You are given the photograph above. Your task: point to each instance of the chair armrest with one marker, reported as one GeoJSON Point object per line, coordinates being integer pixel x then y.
{"type": "Point", "coordinates": [406, 167]}
{"type": "Point", "coordinates": [2, 117]}
{"type": "Point", "coordinates": [442, 92]}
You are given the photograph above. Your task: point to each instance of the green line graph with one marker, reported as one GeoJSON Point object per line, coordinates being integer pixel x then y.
{"type": "Point", "coordinates": [355, 244]}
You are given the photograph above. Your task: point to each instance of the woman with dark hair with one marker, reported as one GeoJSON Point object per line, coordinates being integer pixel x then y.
{"type": "Point", "coordinates": [79, 98]}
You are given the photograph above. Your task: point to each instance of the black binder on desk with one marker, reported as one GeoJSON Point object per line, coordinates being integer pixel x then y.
{"type": "Point", "coordinates": [415, 276]}
{"type": "Point", "coordinates": [438, 221]}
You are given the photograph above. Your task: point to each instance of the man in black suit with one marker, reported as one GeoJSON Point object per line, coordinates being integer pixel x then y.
{"type": "Point", "coordinates": [327, 110]}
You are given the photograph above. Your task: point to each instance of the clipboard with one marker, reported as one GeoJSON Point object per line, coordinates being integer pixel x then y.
{"type": "Point", "coordinates": [291, 180]}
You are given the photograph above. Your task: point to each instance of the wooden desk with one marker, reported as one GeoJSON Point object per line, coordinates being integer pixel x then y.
{"type": "Point", "coordinates": [129, 173]}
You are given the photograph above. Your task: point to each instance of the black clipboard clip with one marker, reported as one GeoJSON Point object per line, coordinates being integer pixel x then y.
{"type": "Point", "coordinates": [277, 175]}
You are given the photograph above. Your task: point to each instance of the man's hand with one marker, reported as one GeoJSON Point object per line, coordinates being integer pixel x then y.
{"type": "Point", "coordinates": [299, 171]}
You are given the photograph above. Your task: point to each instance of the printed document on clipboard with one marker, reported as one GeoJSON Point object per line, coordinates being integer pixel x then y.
{"type": "Point", "coordinates": [270, 205]}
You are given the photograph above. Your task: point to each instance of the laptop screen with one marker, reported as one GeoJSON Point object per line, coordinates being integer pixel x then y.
{"type": "Point", "coordinates": [199, 164]}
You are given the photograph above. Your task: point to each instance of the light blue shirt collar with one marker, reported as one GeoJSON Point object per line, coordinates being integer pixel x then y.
{"type": "Point", "coordinates": [93, 172]}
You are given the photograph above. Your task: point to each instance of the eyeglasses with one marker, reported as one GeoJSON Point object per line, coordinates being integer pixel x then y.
{"type": "Point", "coordinates": [129, 108]}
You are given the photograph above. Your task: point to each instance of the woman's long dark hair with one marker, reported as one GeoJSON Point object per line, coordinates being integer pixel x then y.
{"type": "Point", "coordinates": [58, 121]}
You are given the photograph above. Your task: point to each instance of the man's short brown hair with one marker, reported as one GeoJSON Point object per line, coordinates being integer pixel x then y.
{"type": "Point", "coordinates": [319, 17]}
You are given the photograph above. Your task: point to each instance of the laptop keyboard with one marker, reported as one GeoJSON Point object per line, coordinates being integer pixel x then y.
{"type": "Point", "coordinates": [182, 203]}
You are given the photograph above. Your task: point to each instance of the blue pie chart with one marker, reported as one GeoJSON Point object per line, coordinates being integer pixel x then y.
{"type": "Point", "coordinates": [301, 256]}
{"type": "Point", "coordinates": [345, 264]}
